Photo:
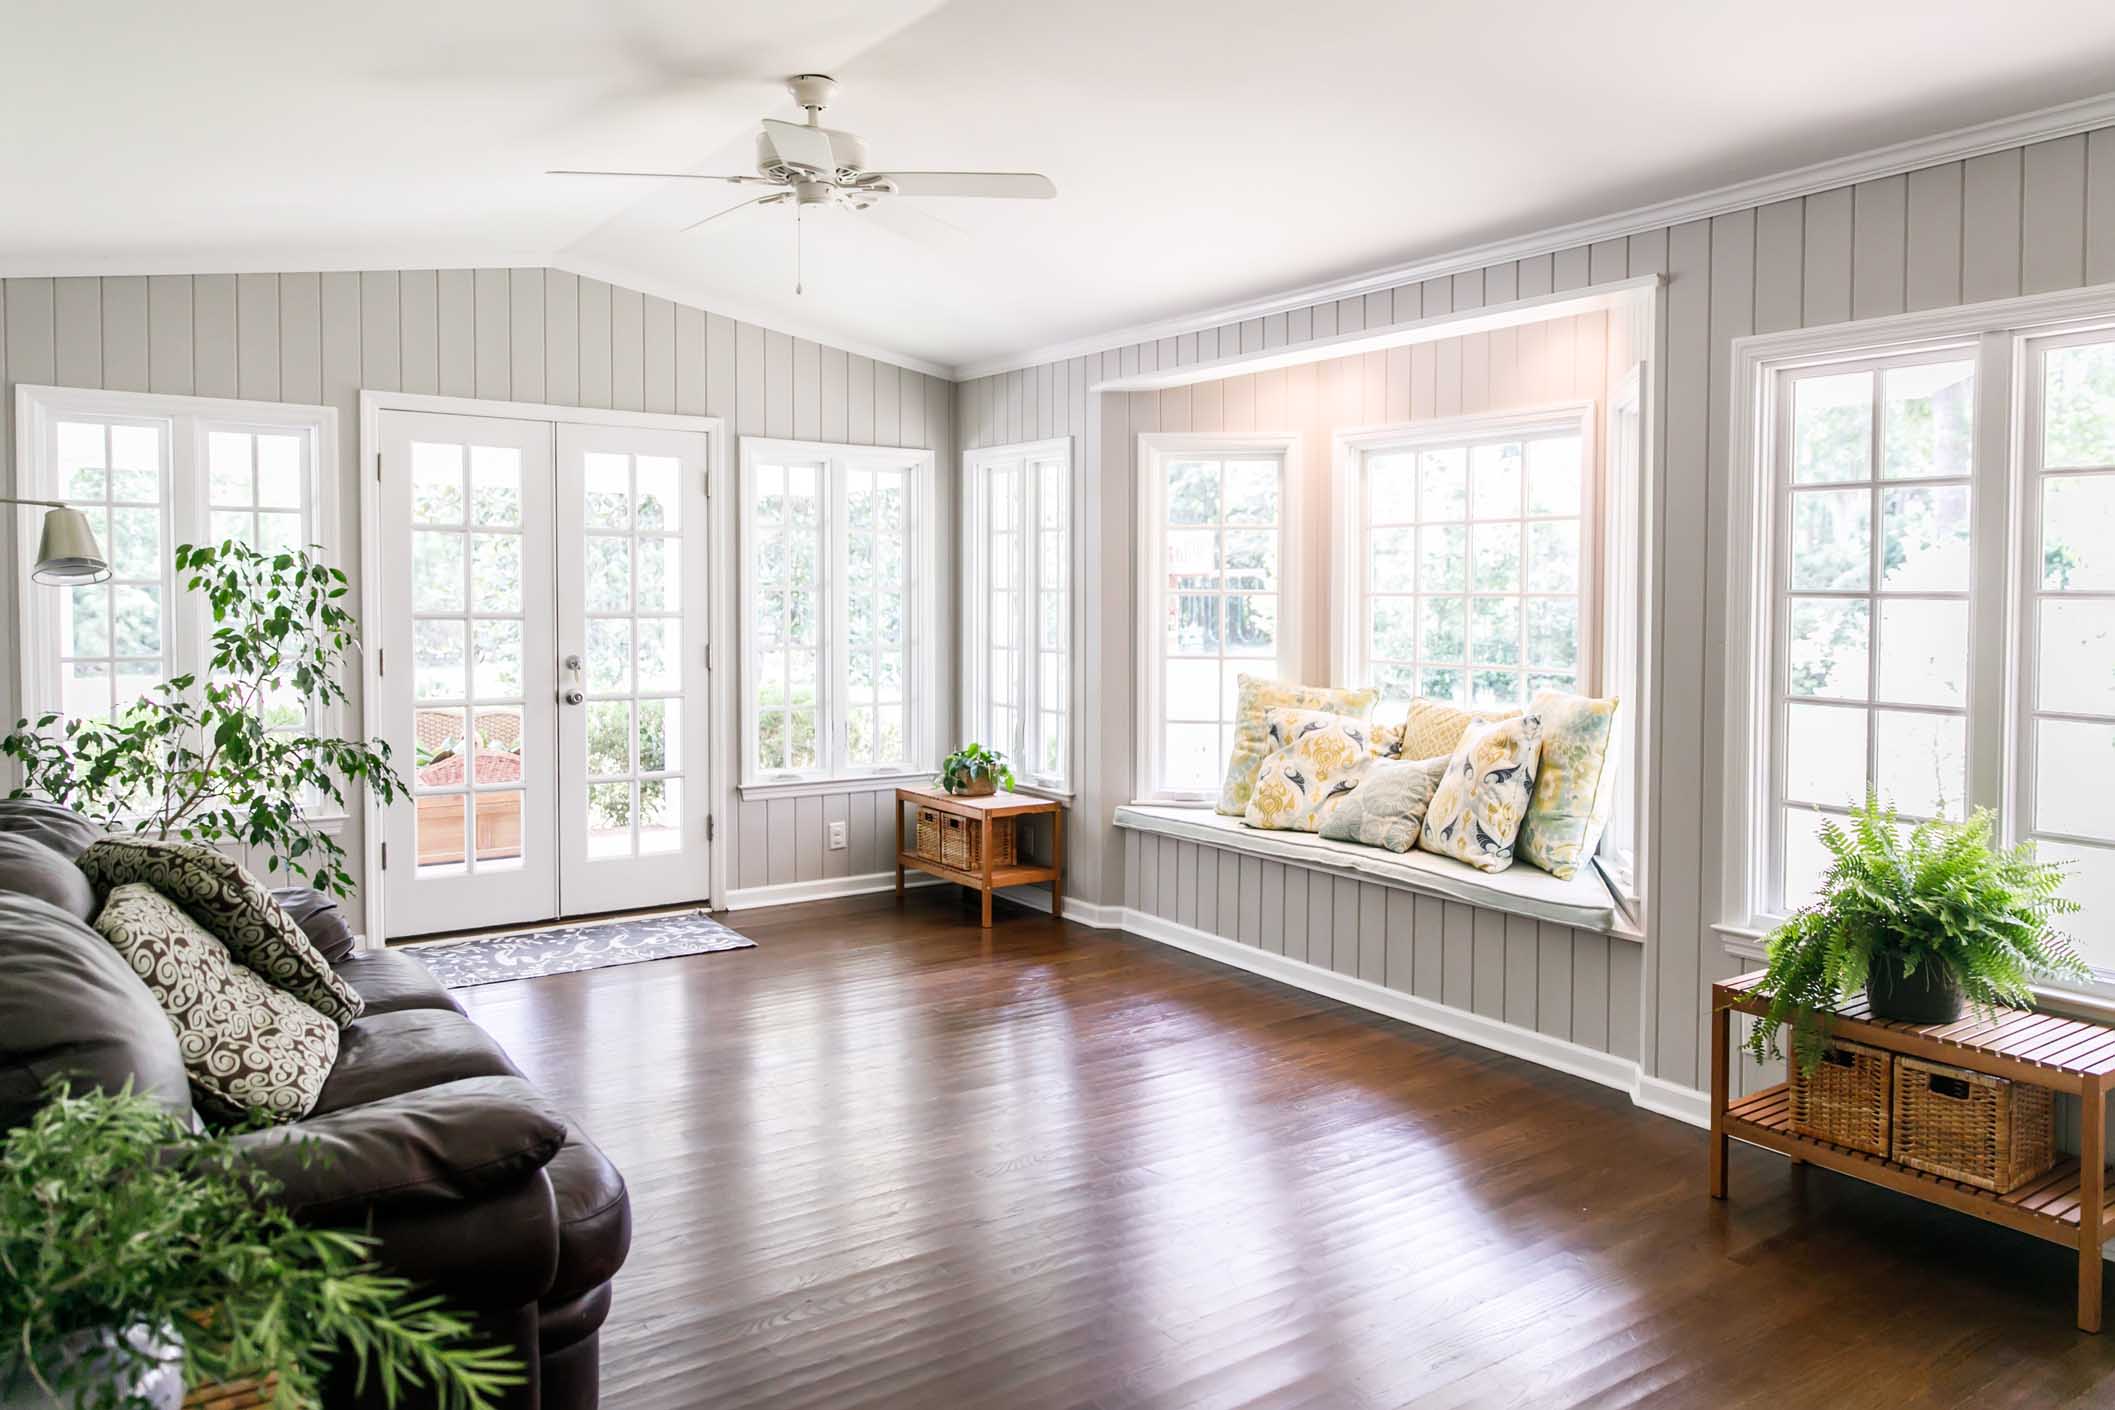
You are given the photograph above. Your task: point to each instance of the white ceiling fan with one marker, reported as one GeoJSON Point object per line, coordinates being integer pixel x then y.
{"type": "Point", "coordinates": [807, 164]}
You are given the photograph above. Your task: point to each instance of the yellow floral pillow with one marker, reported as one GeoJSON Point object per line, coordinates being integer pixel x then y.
{"type": "Point", "coordinates": [1258, 697]}
{"type": "Point", "coordinates": [1318, 761]}
{"type": "Point", "coordinates": [1573, 784]}
{"type": "Point", "coordinates": [1432, 730]}
{"type": "Point", "coordinates": [1476, 813]}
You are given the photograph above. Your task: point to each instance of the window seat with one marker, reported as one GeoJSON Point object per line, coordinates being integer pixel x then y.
{"type": "Point", "coordinates": [1582, 902]}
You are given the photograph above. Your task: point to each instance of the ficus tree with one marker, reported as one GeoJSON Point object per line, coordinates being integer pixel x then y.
{"type": "Point", "coordinates": [229, 755]}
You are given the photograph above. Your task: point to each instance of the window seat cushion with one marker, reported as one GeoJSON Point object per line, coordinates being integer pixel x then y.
{"type": "Point", "coordinates": [1522, 890]}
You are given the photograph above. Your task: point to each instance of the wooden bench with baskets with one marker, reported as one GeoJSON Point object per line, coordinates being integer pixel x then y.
{"type": "Point", "coordinates": [1959, 1114]}
{"type": "Point", "coordinates": [974, 839]}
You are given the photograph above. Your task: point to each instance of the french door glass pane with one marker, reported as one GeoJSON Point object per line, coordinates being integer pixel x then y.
{"type": "Point", "coordinates": [2078, 533]}
{"type": "Point", "coordinates": [1805, 858]}
{"type": "Point", "coordinates": [2076, 646]}
{"type": "Point", "coordinates": [1924, 651]}
{"type": "Point", "coordinates": [1825, 754]}
{"type": "Point", "coordinates": [466, 640]}
{"type": "Point", "coordinates": [1832, 429]}
{"type": "Point", "coordinates": [2075, 778]}
{"type": "Point", "coordinates": [1922, 763]}
{"type": "Point", "coordinates": [1929, 426]}
{"type": "Point", "coordinates": [1832, 542]}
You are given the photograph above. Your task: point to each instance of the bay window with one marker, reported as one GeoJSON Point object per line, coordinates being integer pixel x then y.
{"type": "Point", "coordinates": [838, 649]}
{"type": "Point", "coordinates": [1216, 547]}
{"type": "Point", "coordinates": [1017, 608]}
{"type": "Point", "coordinates": [1923, 596]}
{"type": "Point", "coordinates": [1470, 578]}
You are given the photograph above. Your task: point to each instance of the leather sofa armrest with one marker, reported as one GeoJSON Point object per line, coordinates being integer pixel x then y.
{"type": "Point", "coordinates": [442, 1147]}
{"type": "Point", "coordinates": [319, 918]}
{"type": "Point", "coordinates": [500, 1252]}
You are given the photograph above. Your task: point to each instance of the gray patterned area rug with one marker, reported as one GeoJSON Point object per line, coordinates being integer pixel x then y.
{"type": "Point", "coordinates": [491, 959]}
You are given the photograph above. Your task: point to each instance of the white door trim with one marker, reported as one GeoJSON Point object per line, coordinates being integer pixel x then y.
{"type": "Point", "coordinates": [720, 673]}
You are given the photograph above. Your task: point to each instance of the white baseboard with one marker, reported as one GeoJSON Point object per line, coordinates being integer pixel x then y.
{"type": "Point", "coordinates": [1624, 1074]}
{"type": "Point", "coordinates": [826, 888]}
{"type": "Point", "coordinates": [1087, 913]}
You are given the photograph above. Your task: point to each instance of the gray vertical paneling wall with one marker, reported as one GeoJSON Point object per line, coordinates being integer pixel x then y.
{"type": "Point", "coordinates": [2026, 219]}
{"type": "Point", "coordinates": [535, 335]}
{"type": "Point", "coordinates": [1577, 985]}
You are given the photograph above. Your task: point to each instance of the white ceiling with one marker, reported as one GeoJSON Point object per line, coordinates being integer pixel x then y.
{"type": "Point", "coordinates": [1205, 151]}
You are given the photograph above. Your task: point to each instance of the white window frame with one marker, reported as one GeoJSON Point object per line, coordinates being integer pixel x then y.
{"type": "Point", "coordinates": [2003, 338]}
{"type": "Point", "coordinates": [1155, 449]}
{"type": "Point", "coordinates": [1349, 637]}
{"type": "Point", "coordinates": [977, 468]}
{"type": "Point", "coordinates": [186, 513]}
{"type": "Point", "coordinates": [921, 561]}
{"type": "Point", "coordinates": [1625, 617]}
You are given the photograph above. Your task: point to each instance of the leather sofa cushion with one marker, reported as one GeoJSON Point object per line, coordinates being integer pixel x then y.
{"type": "Point", "coordinates": [386, 1054]}
{"type": "Point", "coordinates": [319, 918]}
{"type": "Point", "coordinates": [34, 869]}
{"type": "Point", "coordinates": [594, 1217]}
{"type": "Point", "coordinates": [59, 828]}
{"type": "Point", "coordinates": [69, 1006]}
{"type": "Point", "coordinates": [560, 1324]}
{"type": "Point", "coordinates": [390, 981]}
{"type": "Point", "coordinates": [457, 1142]}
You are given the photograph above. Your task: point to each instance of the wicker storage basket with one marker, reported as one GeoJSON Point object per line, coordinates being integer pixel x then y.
{"type": "Point", "coordinates": [1846, 1099]}
{"type": "Point", "coordinates": [928, 841]}
{"type": "Point", "coordinates": [1984, 1131]}
{"type": "Point", "coordinates": [962, 841]}
{"type": "Point", "coordinates": [232, 1395]}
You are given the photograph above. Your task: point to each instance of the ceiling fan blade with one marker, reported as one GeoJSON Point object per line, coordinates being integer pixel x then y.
{"type": "Point", "coordinates": [669, 176]}
{"type": "Point", "coordinates": [770, 200]}
{"type": "Point", "coordinates": [798, 145]}
{"type": "Point", "coordinates": [1020, 185]}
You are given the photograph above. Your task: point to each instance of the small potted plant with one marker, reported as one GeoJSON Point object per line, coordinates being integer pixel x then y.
{"type": "Point", "coordinates": [1922, 921]}
{"type": "Point", "coordinates": [974, 771]}
{"type": "Point", "coordinates": [137, 1257]}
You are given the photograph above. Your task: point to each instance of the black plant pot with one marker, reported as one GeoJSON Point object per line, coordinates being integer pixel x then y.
{"type": "Point", "coordinates": [1931, 995]}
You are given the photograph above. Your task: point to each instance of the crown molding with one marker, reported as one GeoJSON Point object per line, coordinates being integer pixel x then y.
{"type": "Point", "coordinates": [735, 307]}
{"type": "Point", "coordinates": [2064, 120]}
{"type": "Point", "coordinates": [389, 258]}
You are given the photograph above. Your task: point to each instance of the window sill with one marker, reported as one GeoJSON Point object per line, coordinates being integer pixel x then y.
{"type": "Point", "coordinates": [1582, 903]}
{"type": "Point", "coordinates": [843, 783]}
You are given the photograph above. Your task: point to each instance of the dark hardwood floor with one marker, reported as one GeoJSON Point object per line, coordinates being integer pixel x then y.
{"type": "Point", "coordinates": [886, 1160]}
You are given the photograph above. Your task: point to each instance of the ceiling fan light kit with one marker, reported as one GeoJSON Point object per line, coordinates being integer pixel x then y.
{"type": "Point", "coordinates": [813, 165]}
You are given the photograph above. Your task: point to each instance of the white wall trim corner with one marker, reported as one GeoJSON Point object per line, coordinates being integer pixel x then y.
{"type": "Point", "coordinates": [1685, 1104]}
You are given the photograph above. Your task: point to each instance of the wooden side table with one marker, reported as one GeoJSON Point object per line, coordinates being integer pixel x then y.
{"type": "Point", "coordinates": [984, 812]}
{"type": "Point", "coordinates": [2068, 1205]}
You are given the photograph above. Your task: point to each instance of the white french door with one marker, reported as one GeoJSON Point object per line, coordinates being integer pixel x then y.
{"type": "Point", "coordinates": [542, 680]}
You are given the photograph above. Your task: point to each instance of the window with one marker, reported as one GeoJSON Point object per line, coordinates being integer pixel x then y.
{"type": "Point", "coordinates": [1472, 567]}
{"type": "Point", "coordinates": [1216, 544]}
{"type": "Point", "coordinates": [1923, 597]}
{"type": "Point", "coordinates": [152, 472]}
{"type": "Point", "coordinates": [839, 652]}
{"type": "Point", "coordinates": [1017, 607]}
{"type": "Point", "coordinates": [1628, 604]}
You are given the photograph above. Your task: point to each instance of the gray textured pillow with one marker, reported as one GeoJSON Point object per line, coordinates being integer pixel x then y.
{"type": "Point", "coordinates": [1389, 806]}
{"type": "Point", "coordinates": [230, 904]}
{"type": "Point", "coordinates": [248, 1048]}
{"type": "Point", "coordinates": [33, 869]}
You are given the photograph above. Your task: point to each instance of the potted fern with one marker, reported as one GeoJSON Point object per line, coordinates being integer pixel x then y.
{"type": "Point", "coordinates": [138, 1257]}
{"type": "Point", "coordinates": [1922, 921]}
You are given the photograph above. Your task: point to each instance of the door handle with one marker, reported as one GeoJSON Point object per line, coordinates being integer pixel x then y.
{"type": "Point", "coordinates": [574, 696]}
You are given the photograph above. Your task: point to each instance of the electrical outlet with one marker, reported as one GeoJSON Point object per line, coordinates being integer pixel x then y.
{"type": "Point", "coordinates": [837, 836]}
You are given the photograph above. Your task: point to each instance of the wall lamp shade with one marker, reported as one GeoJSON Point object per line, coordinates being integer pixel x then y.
{"type": "Point", "coordinates": [67, 553]}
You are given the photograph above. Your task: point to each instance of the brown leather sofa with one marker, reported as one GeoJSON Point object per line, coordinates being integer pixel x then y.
{"type": "Point", "coordinates": [431, 1139]}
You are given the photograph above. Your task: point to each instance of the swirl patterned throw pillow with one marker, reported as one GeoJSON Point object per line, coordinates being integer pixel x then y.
{"type": "Point", "coordinates": [233, 906]}
{"type": "Point", "coordinates": [1260, 695]}
{"type": "Point", "coordinates": [1476, 813]}
{"type": "Point", "coordinates": [1315, 763]}
{"type": "Point", "coordinates": [249, 1048]}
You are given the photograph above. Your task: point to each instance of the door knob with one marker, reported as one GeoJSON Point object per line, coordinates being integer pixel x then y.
{"type": "Point", "coordinates": [574, 696]}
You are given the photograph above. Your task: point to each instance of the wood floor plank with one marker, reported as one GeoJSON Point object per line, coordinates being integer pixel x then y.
{"type": "Point", "coordinates": [888, 1160]}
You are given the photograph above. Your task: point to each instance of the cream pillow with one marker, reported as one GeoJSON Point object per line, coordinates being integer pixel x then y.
{"type": "Point", "coordinates": [1432, 730]}
{"type": "Point", "coordinates": [1476, 812]}
{"type": "Point", "coordinates": [1258, 696]}
{"type": "Point", "coordinates": [1318, 762]}
{"type": "Point", "coordinates": [1390, 804]}
{"type": "Point", "coordinates": [1573, 782]}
